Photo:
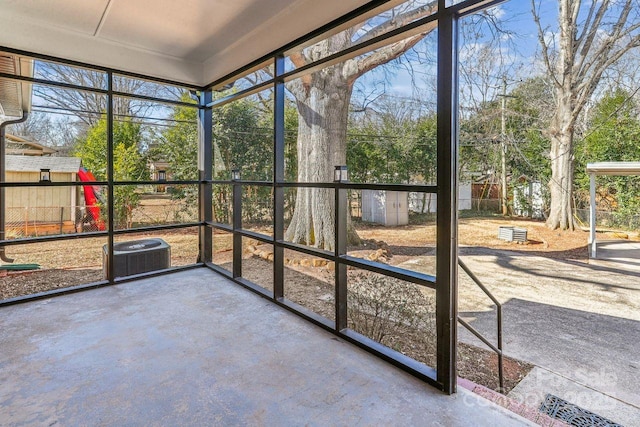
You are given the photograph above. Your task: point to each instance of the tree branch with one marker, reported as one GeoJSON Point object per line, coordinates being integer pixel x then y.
{"type": "Point", "coordinates": [399, 20]}
{"type": "Point", "coordinates": [588, 85]}
{"type": "Point", "coordinates": [590, 30]}
{"type": "Point", "coordinates": [354, 68]}
{"type": "Point", "coordinates": [298, 59]}
{"type": "Point", "coordinates": [543, 44]}
{"type": "Point", "coordinates": [590, 33]}
{"type": "Point", "coordinates": [600, 59]}
{"type": "Point", "coordinates": [604, 49]}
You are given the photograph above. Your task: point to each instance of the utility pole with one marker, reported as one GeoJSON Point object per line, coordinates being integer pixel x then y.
{"type": "Point", "coordinates": [503, 147]}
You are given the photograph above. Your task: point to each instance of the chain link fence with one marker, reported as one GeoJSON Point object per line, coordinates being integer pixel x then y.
{"type": "Point", "coordinates": [34, 221]}
{"type": "Point", "coordinates": [40, 220]}
{"type": "Point", "coordinates": [610, 220]}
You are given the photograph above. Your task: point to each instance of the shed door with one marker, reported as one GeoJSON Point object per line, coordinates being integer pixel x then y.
{"type": "Point", "coordinates": [402, 210]}
{"type": "Point", "coordinates": [396, 209]}
{"type": "Point", "coordinates": [391, 208]}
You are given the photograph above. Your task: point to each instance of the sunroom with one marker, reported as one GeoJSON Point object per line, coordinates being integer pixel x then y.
{"type": "Point", "coordinates": [214, 161]}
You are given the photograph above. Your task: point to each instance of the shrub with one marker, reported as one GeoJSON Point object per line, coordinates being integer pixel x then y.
{"type": "Point", "coordinates": [390, 311]}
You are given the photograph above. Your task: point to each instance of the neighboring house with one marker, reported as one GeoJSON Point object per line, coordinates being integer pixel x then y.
{"type": "Point", "coordinates": [41, 210]}
{"type": "Point", "coordinates": [158, 169]}
{"type": "Point", "coordinates": [485, 192]}
{"type": "Point", "coordinates": [19, 146]}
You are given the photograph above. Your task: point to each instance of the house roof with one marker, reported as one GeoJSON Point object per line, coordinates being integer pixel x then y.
{"type": "Point", "coordinates": [614, 168]}
{"type": "Point", "coordinates": [195, 41]}
{"type": "Point", "coordinates": [35, 163]}
{"type": "Point", "coordinates": [27, 148]}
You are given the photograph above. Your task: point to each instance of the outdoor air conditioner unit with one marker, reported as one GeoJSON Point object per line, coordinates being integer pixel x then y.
{"type": "Point", "coordinates": [512, 234]}
{"type": "Point", "coordinates": [137, 256]}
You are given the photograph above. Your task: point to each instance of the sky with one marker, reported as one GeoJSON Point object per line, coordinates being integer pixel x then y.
{"type": "Point", "coordinates": [514, 55]}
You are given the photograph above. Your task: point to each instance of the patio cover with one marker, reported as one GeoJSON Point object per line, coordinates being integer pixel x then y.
{"type": "Point", "coordinates": [193, 42]}
{"type": "Point", "coordinates": [604, 168]}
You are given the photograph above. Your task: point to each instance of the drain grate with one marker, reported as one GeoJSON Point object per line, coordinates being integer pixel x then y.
{"type": "Point", "coordinates": [572, 414]}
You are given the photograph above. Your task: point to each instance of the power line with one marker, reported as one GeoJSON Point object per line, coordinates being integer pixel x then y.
{"type": "Point", "coordinates": [88, 113]}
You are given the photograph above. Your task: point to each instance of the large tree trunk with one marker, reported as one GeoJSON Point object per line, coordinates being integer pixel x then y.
{"type": "Point", "coordinates": [561, 184]}
{"type": "Point", "coordinates": [561, 156]}
{"type": "Point", "coordinates": [323, 104]}
{"type": "Point", "coordinates": [323, 100]}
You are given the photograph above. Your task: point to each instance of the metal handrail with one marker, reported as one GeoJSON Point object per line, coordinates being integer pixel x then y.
{"type": "Point", "coordinates": [498, 349]}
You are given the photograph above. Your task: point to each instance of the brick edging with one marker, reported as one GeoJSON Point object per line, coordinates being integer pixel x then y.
{"type": "Point", "coordinates": [512, 405]}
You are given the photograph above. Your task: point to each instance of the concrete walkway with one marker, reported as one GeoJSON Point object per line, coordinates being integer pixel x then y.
{"type": "Point", "coordinates": [618, 254]}
{"type": "Point", "coordinates": [579, 323]}
{"type": "Point", "coordinates": [534, 388]}
{"type": "Point", "coordinates": [193, 348]}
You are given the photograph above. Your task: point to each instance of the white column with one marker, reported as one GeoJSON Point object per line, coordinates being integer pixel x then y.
{"type": "Point", "coordinates": [592, 214]}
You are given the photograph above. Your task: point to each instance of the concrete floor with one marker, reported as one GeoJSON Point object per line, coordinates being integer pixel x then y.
{"type": "Point", "coordinates": [192, 348]}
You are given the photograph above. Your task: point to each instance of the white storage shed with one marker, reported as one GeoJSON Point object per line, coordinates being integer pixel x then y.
{"type": "Point", "coordinates": [428, 202]}
{"type": "Point", "coordinates": [385, 207]}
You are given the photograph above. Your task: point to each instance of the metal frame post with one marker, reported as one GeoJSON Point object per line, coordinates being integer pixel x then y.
{"type": "Point", "coordinates": [592, 215]}
{"type": "Point", "coordinates": [110, 180]}
{"type": "Point", "coordinates": [447, 176]}
{"type": "Point", "coordinates": [205, 171]}
{"type": "Point", "coordinates": [340, 247]}
{"type": "Point", "coordinates": [236, 200]}
{"type": "Point", "coordinates": [278, 177]}
{"type": "Point", "coordinates": [3, 163]}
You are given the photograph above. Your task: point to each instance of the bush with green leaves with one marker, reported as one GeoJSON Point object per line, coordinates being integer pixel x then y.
{"type": "Point", "coordinates": [614, 131]}
{"type": "Point", "coordinates": [129, 164]}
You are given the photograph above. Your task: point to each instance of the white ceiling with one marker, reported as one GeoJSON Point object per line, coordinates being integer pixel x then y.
{"type": "Point", "coordinates": [192, 41]}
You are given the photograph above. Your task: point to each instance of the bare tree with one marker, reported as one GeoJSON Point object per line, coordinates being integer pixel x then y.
{"type": "Point", "coordinates": [88, 106]}
{"type": "Point", "coordinates": [591, 38]}
{"type": "Point", "coordinates": [40, 127]}
{"type": "Point", "coordinates": [36, 128]}
{"type": "Point", "coordinates": [487, 57]}
{"type": "Point", "coordinates": [323, 99]}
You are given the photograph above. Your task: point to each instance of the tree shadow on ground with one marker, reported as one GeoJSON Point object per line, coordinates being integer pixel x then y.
{"type": "Point", "coordinates": [513, 260]}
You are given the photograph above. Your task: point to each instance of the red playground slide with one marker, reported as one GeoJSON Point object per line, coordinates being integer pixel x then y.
{"type": "Point", "coordinates": [91, 195]}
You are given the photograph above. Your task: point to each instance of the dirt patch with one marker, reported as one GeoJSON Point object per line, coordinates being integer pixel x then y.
{"type": "Point", "coordinates": [481, 366]}
{"type": "Point", "coordinates": [18, 284]}
{"type": "Point", "coordinates": [415, 239]}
